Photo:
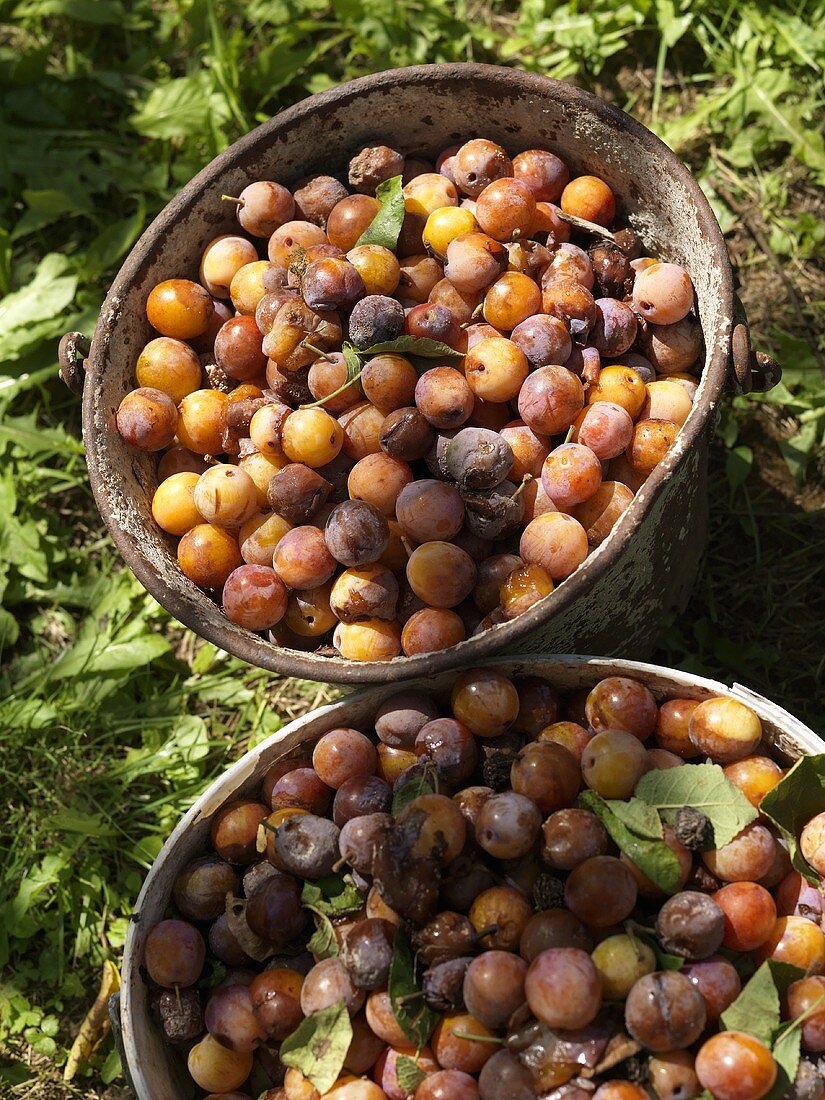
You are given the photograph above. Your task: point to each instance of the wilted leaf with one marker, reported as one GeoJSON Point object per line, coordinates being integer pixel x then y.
{"type": "Point", "coordinates": [250, 942]}
{"type": "Point", "coordinates": [319, 1045]}
{"type": "Point", "coordinates": [415, 1018]}
{"type": "Point", "coordinates": [323, 943]}
{"type": "Point", "coordinates": [332, 896]}
{"type": "Point", "coordinates": [420, 784]}
{"type": "Point", "coordinates": [95, 1025]}
{"type": "Point", "coordinates": [408, 1073]}
{"type": "Point", "coordinates": [352, 359]}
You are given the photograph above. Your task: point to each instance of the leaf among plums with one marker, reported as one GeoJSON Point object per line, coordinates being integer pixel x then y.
{"type": "Point", "coordinates": [652, 857]}
{"type": "Point", "coordinates": [332, 896]}
{"type": "Point", "coordinates": [257, 949]}
{"type": "Point", "coordinates": [786, 1047]}
{"type": "Point", "coordinates": [386, 225]}
{"type": "Point", "coordinates": [421, 346]}
{"type": "Point", "coordinates": [421, 784]}
{"type": "Point", "coordinates": [799, 796]}
{"type": "Point", "coordinates": [352, 359]}
{"type": "Point", "coordinates": [757, 1009]}
{"type": "Point", "coordinates": [319, 1045]}
{"type": "Point", "coordinates": [408, 1073]}
{"type": "Point", "coordinates": [744, 965]}
{"type": "Point", "coordinates": [705, 787]}
{"type": "Point", "coordinates": [758, 1012]}
{"type": "Point", "coordinates": [638, 816]}
{"type": "Point", "coordinates": [664, 961]}
{"type": "Point", "coordinates": [323, 943]}
{"type": "Point", "coordinates": [415, 347]}
{"type": "Point", "coordinates": [415, 1018]}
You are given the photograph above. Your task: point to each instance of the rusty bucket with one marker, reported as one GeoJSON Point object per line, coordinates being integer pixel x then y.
{"type": "Point", "coordinates": [156, 1071]}
{"type": "Point", "coordinates": [643, 573]}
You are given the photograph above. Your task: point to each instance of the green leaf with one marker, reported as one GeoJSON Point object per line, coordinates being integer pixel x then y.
{"type": "Point", "coordinates": [757, 1009]}
{"type": "Point", "coordinates": [408, 1073]}
{"type": "Point", "coordinates": [414, 1017]}
{"type": "Point", "coordinates": [112, 1068]}
{"type": "Point", "coordinates": [421, 784]}
{"type": "Point", "coordinates": [114, 242]}
{"type": "Point", "coordinates": [99, 12]}
{"type": "Point", "coordinates": [386, 225]}
{"type": "Point", "coordinates": [652, 857]}
{"type": "Point", "coordinates": [352, 358]}
{"type": "Point", "coordinates": [179, 108]}
{"type": "Point", "coordinates": [323, 943]}
{"type": "Point", "coordinates": [798, 450]}
{"type": "Point", "coordinates": [414, 345]}
{"type": "Point", "coordinates": [29, 314]}
{"type": "Point", "coordinates": [9, 628]}
{"type": "Point", "coordinates": [744, 965]}
{"type": "Point", "coordinates": [5, 261]}
{"type": "Point", "coordinates": [786, 1047]}
{"type": "Point", "coordinates": [91, 657]}
{"type": "Point", "coordinates": [638, 816]}
{"type": "Point", "coordinates": [46, 206]}
{"type": "Point", "coordinates": [671, 25]}
{"type": "Point", "coordinates": [706, 788]}
{"type": "Point", "coordinates": [664, 961]}
{"type": "Point", "coordinates": [737, 467]}
{"type": "Point", "coordinates": [75, 821]}
{"type": "Point", "coordinates": [332, 896]}
{"type": "Point", "coordinates": [319, 1045]}
{"type": "Point", "coordinates": [799, 796]}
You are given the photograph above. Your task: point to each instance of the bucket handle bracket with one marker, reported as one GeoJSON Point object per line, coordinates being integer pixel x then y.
{"type": "Point", "coordinates": [72, 354]}
{"type": "Point", "coordinates": [752, 371]}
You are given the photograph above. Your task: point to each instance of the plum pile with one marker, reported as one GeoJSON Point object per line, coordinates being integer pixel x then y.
{"type": "Point", "coordinates": [423, 409]}
{"type": "Point", "coordinates": [508, 893]}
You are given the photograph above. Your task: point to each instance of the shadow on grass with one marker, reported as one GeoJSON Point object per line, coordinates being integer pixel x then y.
{"type": "Point", "coordinates": [758, 613]}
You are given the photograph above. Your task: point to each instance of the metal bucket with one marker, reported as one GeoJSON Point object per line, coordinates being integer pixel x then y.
{"type": "Point", "coordinates": [153, 1066]}
{"type": "Point", "coordinates": [624, 594]}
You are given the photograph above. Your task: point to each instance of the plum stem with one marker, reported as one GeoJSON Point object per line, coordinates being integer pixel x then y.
{"type": "Point", "coordinates": [477, 1038]}
{"type": "Point", "coordinates": [323, 400]}
{"type": "Point", "coordinates": [416, 995]}
{"type": "Point", "coordinates": [319, 352]}
{"type": "Point", "coordinates": [490, 930]}
{"type": "Point", "coordinates": [524, 481]}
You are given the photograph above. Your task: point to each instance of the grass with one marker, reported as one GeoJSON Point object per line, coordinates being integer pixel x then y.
{"type": "Point", "coordinates": [112, 719]}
